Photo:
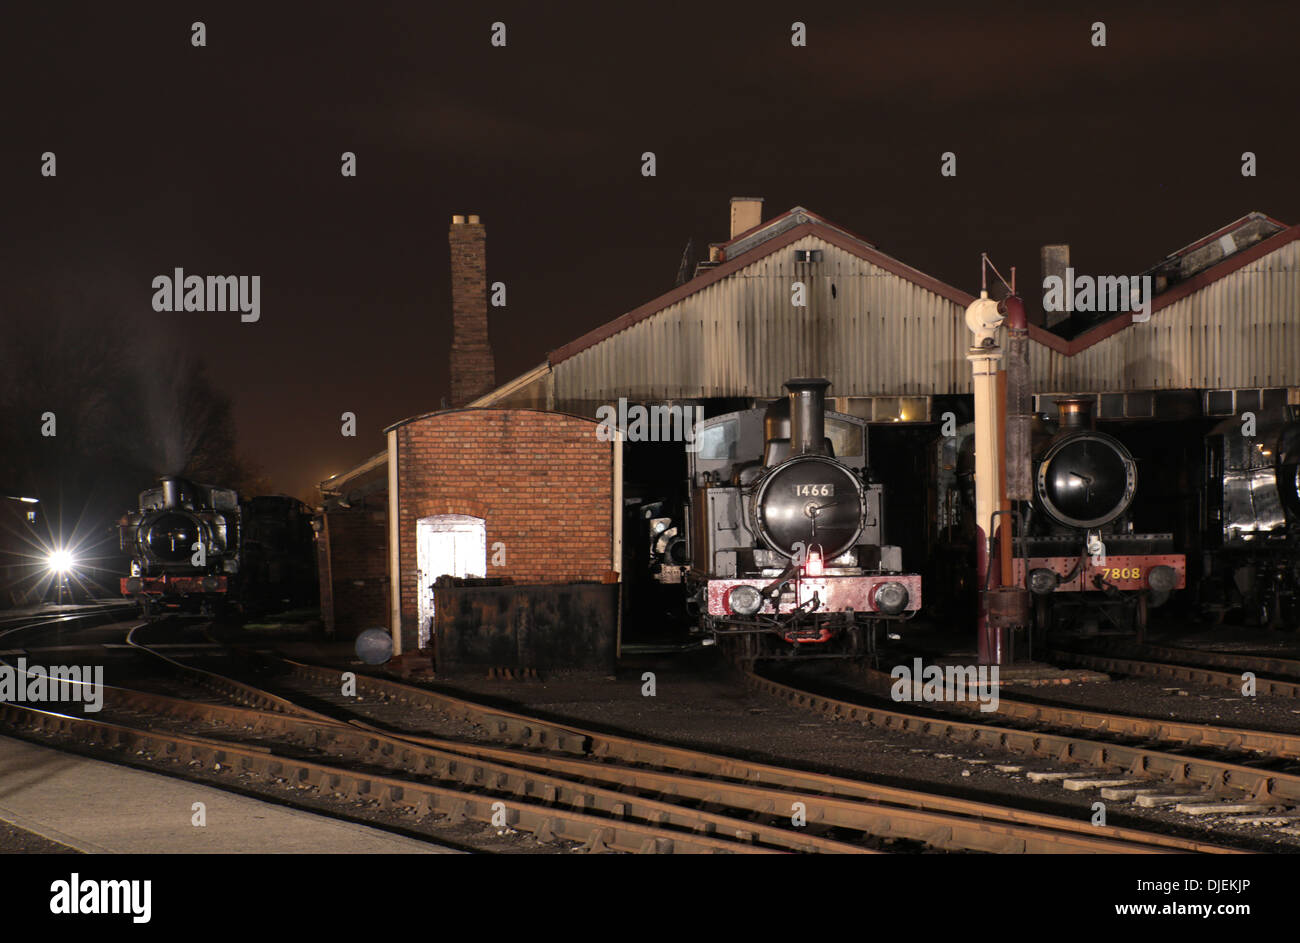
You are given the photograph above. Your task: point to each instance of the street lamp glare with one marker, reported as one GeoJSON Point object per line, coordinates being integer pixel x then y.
{"type": "Point", "coordinates": [61, 561]}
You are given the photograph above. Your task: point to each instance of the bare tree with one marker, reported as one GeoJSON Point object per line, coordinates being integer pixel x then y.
{"type": "Point", "coordinates": [125, 407]}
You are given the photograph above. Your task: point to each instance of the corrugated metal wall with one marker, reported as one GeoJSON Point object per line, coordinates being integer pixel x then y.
{"type": "Point", "coordinates": [741, 336]}
{"type": "Point", "coordinates": [883, 335]}
{"type": "Point", "coordinates": [1240, 331]}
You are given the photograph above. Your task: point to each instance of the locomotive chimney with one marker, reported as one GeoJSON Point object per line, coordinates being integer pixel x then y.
{"type": "Point", "coordinates": [473, 372]}
{"type": "Point", "coordinates": [807, 415]}
{"type": "Point", "coordinates": [1074, 414]}
{"type": "Point", "coordinates": [173, 495]}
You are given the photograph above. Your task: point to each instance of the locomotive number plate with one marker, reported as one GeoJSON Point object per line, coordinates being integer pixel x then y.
{"type": "Point", "coordinates": [814, 491]}
{"type": "Point", "coordinates": [1122, 573]}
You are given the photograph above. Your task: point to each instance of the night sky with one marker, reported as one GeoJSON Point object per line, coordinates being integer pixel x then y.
{"type": "Point", "coordinates": [226, 160]}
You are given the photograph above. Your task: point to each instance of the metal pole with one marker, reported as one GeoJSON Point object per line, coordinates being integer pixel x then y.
{"type": "Point", "coordinates": [983, 320]}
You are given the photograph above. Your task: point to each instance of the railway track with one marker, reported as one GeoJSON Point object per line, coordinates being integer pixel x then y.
{"type": "Point", "coordinates": [1249, 742]}
{"type": "Point", "coordinates": [535, 735]}
{"type": "Point", "coordinates": [1177, 670]}
{"type": "Point", "coordinates": [14, 628]}
{"type": "Point", "coordinates": [554, 780]}
{"type": "Point", "coordinates": [1242, 661]}
{"type": "Point", "coordinates": [1135, 755]}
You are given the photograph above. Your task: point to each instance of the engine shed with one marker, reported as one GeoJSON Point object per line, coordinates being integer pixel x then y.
{"type": "Point", "coordinates": [520, 464]}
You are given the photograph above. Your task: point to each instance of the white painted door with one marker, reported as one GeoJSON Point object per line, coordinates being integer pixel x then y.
{"type": "Point", "coordinates": [446, 545]}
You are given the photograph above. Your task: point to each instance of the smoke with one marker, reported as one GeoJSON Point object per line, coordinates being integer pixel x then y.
{"type": "Point", "coordinates": [128, 402]}
{"type": "Point", "coordinates": [162, 374]}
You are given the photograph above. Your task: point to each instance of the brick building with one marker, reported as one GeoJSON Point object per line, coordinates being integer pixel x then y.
{"type": "Point", "coordinates": [520, 495]}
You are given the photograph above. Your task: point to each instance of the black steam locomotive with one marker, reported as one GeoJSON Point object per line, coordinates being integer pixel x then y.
{"type": "Point", "coordinates": [196, 547]}
{"type": "Point", "coordinates": [1088, 567]}
{"type": "Point", "coordinates": [783, 552]}
{"type": "Point", "coordinates": [1250, 520]}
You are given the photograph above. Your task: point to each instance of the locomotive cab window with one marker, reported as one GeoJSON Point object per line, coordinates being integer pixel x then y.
{"type": "Point", "coordinates": [719, 441]}
{"type": "Point", "coordinates": [846, 437]}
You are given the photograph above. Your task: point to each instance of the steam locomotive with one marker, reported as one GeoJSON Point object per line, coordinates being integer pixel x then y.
{"type": "Point", "coordinates": [1250, 520]}
{"type": "Point", "coordinates": [197, 547]}
{"type": "Point", "coordinates": [783, 551]}
{"type": "Point", "coordinates": [1088, 568]}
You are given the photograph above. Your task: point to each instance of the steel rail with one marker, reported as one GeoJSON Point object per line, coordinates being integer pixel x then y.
{"type": "Point", "coordinates": [236, 691]}
{"type": "Point", "coordinates": [646, 759]}
{"type": "Point", "coordinates": [1137, 668]}
{"type": "Point", "coordinates": [1243, 661]}
{"type": "Point", "coordinates": [45, 620]}
{"type": "Point", "coordinates": [1157, 729]}
{"type": "Point", "coordinates": [1139, 761]}
{"type": "Point", "coordinates": [437, 759]}
{"type": "Point", "coordinates": [535, 733]}
{"type": "Point", "coordinates": [991, 830]}
{"type": "Point", "coordinates": [546, 822]}
{"type": "Point", "coordinates": [586, 784]}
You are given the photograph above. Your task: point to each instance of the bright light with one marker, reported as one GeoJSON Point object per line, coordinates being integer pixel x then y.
{"type": "Point", "coordinates": [814, 565]}
{"type": "Point", "coordinates": [61, 561]}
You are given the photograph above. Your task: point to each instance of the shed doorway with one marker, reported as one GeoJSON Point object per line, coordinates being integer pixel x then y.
{"type": "Point", "coordinates": [446, 545]}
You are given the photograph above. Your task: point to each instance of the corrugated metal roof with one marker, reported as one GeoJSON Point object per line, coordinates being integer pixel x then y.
{"type": "Point", "coordinates": [1240, 329]}
{"type": "Point", "coordinates": [866, 328]}
{"type": "Point", "coordinates": [889, 329]}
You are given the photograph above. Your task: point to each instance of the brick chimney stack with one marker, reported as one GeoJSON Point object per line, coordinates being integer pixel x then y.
{"type": "Point", "coordinates": [472, 370]}
{"type": "Point", "coordinates": [1055, 259]}
{"type": "Point", "coordinates": [746, 213]}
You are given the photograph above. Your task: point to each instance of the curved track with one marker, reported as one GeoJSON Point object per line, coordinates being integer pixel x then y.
{"type": "Point", "coordinates": [1229, 774]}
{"type": "Point", "coordinates": [554, 780]}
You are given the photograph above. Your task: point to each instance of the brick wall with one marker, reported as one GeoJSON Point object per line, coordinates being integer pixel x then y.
{"type": "Point", "coordinates": [472, 370]}
{"type": "Point", "coordinates": [542, 482]}
{"type": "Point", "coordinates": [356, 579]}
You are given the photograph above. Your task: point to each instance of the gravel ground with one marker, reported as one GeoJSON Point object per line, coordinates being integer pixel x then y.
{"type": "Point", "coordinates": [19, 841]}
{"type": "Point", "coordinates": [699, 703]}
{"type": "Point", "coordinates": [1228, 638]}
